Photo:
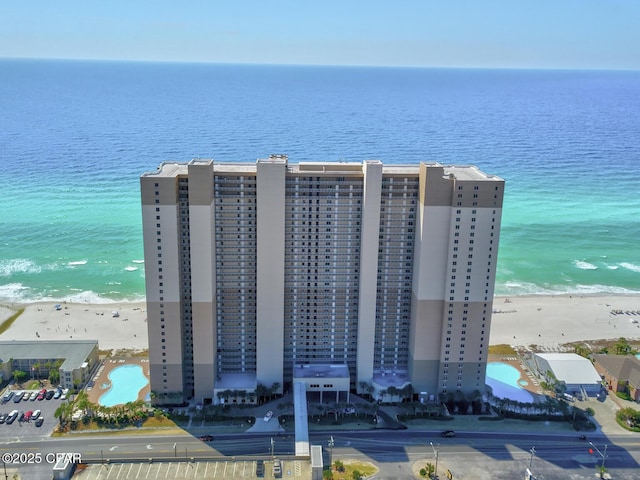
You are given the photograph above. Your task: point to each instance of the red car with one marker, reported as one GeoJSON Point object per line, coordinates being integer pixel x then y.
{"type": "Point", "coordinates": [41, 394]}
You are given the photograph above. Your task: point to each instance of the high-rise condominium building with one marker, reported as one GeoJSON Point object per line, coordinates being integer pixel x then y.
{"type": "Point", "coordinates": [362, 276]}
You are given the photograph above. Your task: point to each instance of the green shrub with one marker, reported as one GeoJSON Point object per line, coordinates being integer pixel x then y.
{"type": "Point", "coordinates": [623, 395]}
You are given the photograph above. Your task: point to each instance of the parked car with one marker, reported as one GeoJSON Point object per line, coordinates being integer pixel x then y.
{"type": "Point", "coordinates": [7, 396]}
{"type": "Point", "coordinates": [27, 416]}
{"type": "Point", "coordinates": [18, 396]}
{"type": "Point", "coordinates": [448, 434]}
{"type": "Point", "coordinates": [206, 438]}
{"type": "Point", "coordinates": [33, 396]}
{"type": "Point", "coordinates": [268, 416]}
{"type": "Point", "coordinates": [36, 414]}
{"type": "Point", "coordinates": [12, 416]}
{"type": "Point", "coordinates": [49, 394]}
{"type": "Point", "coordinates": [57, 394]}
{"type": "Point", "coordinates": [3, 417]}
{"type": "Point", "coordinates": [260, 468]}
{"type": "Point", "coordinates": [39, 422]}
{"type": "Point", "coordinates": [277, 468]}
{"type": "Point", "coordinates": [41, 394]}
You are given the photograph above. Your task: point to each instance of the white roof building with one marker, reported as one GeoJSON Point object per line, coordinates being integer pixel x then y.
{"type": "Point", "coordinates": [576, 372]}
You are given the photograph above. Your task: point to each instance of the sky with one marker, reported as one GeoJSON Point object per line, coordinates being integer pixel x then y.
{"type": "Point", "coordinates": [592, 34]}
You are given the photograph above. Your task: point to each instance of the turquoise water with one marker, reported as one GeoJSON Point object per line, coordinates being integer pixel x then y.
{"type": "Point", "coordinates": [504, 382]}
{"type": "Point", "coordinates": [505, 373]}
{"type": "Point", "coordinates": [75, 137]}
{"type": "Point", "coordinates": [126, 383]}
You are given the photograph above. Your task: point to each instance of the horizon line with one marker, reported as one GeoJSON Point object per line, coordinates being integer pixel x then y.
{"type": "Point", "coordinates": [326, 65]}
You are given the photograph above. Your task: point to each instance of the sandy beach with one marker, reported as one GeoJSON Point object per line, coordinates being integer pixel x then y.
{"type": "Point", "coordinates": [547, 321]}
{"type": "Point", "coordinates": [80, 321]}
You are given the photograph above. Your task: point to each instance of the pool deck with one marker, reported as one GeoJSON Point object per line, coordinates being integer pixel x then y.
{"type": "Point", "coordinates": [533, 384]}
{"type": "Point", "coordinates": [101, 377]}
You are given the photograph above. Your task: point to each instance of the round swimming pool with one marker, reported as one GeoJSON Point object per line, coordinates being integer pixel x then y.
{"type": "Point", "coordinates": [126, 383]}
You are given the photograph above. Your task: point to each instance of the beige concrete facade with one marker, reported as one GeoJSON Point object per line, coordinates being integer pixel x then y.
{"type": "Point", "coordinates": [251, 269]}
{"type": "Point", "coordinates": [270, 268]}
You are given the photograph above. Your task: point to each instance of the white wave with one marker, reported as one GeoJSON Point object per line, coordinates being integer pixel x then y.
{"type": "Point", "coordinates": [630, 266]}
{"type": "Point", "coordinates": [14, 292]}
{"type": "Point", "coordinates": [502, 290]}
{"type": "Point", "coordinates": [76, 263]}
{"type": "Point", "coordinates": [18, 265]}
{"type": "Point", "coordinates": [613, 267]}
{"type": "Point", "coordinates": [87, 296]}
{"type": "Point", "coordinates": [582, 265]}
{"type": "Point", "coordinates": [131, 269]}
{"type": "Point", "coordinates": [19, 293]}
{"type": "Point", "coordinates": [137, 261]}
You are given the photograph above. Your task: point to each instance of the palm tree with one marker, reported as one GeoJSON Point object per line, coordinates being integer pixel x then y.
{"type": "Point", "coordinates": [392, 392]}
{"type": "Point", "coordinates": [63, 412]}
{"type": "Point", "coordinates": [36, 367]}
{"type": "Point", "coordinates": [407, 391]}
{"type": "Point", "coordinates": [275, 388]}
{"type": "Point", "coordinates": [261, 392]}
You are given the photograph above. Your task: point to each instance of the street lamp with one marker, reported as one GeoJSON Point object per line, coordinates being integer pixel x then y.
{"type": "Point", "coordinates": [528, 474]}
{"type": "Point", "coordinates": [436, 452]}
{"type": "Point", "coordinates": [331, 444]}
{"type": "Point", "coordinates": [603, 455]}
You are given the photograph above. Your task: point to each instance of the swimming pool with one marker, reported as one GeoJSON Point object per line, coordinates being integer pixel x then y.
{"type": "Point", "coordinates": [126, 383]}
{"type": "Point", "coordinates": [505, 381]}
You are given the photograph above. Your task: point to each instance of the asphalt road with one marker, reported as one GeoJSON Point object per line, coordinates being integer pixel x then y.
{"type": "Point", "coordinates": [468, 455]}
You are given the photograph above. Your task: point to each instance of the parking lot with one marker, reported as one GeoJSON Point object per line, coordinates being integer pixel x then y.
{"type": "Point", "coordinates": [190, 471]}
{"type": "Point", "coordinates": [28, 429]}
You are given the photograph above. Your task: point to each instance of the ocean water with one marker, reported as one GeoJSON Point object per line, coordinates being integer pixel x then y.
{"type": "Point", "coordinates": [75, 137]}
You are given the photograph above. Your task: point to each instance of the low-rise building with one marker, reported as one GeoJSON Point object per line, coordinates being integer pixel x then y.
{"type": "Point", "coordinates": [74, 359]}
{"type": "Point", "coordinates": [576, 372]}
{"type": "Point", "coordinates": [621, 373]}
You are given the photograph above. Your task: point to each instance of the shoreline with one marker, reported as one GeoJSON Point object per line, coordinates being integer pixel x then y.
{"type": "Point", "coordinates": [85, 321]}
{"type": "Point", "coordinates": [521, 320]}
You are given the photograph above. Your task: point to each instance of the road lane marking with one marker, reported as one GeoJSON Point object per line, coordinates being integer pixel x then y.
{"type": "Point", "coordinates": [158, 472]}
{"type": "Point", "coordinates": [215, 471]}
{"type": "Point", "coordinates": [121, 465]}
{"type": "Point", "coordinates": [166, 475]}
{"type": "Point", "coordinates": [195, 474]}
{"type": "Point", "coordinates": [139, 469]}
{"type": "Point", "coordinates": [129, 472]}
{"type": "Point", "coordinates": [148, 470]}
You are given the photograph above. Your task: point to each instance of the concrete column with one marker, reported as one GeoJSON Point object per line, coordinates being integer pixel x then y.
{"type": "Point", "coordinates": [203, 276]}
{"type": "Point", "coordinates": [270, 190]}
{"type": "Point", "coordinates": [370, 230]}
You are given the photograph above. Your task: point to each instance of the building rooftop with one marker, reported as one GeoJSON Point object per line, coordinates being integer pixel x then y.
{"type": "Point", "coordinates": [461, 172]}
{"type": "Point", "coordinates": [390, 379]}
{"type": "Point", "coordinates": [321, 370]}
{"type": "Point", "coordinates": [623, 367]}
{"type": "Point", "coordinates": [569, 367]}
{"type": "Point", "coordinates": [75, 352]}
{"type": "Point", "coordinates": [237, 381]}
